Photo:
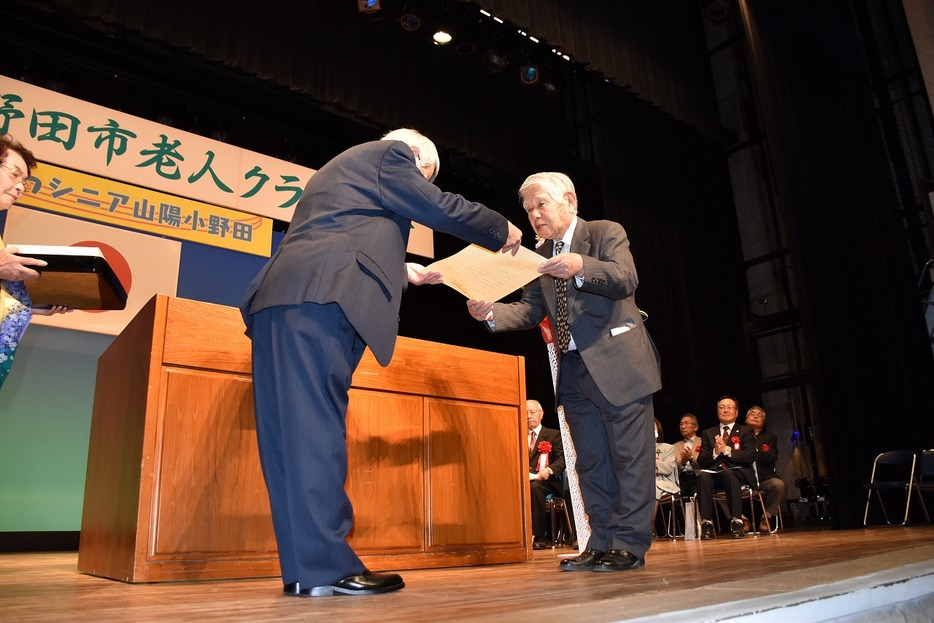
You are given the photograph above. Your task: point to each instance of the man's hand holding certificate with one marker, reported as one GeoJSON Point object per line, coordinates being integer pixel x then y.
{"type": "Point", "coordinates": [488, 275]}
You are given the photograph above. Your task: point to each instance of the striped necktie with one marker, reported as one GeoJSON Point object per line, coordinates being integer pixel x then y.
{"type": "Point", "coordinates": [561, 290]}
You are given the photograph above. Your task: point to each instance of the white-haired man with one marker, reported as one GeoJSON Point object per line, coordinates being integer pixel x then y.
{"type": "Point", "coordinates": [331, 289]}
{"type": "Point", "coordinates": [608, 366]}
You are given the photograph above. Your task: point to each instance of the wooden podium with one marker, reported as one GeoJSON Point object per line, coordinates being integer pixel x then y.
{"type": "Point", "coordinates": [437, 468]}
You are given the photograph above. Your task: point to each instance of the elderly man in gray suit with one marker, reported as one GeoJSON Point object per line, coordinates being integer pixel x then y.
{"type": "Point", "coordinates": [331, 289]}
{"type": "Point", "coordinates": [608, 367]}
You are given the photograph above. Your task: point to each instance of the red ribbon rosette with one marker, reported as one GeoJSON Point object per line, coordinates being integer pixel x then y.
{"type": "Point", "coordinates": [735, 441]}
{"type": "Point", "coordinates": [547, 333]}
{"type": "Point", "coordinates": [544, 448]}
{"type": "Point", "coordinates": [697, 449]}
{"type": "Point", "coordinates": [765, 447]}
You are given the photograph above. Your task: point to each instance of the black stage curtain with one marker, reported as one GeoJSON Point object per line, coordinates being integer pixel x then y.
{"type": "Point", "coordinates": [871, 361]}
{"type": "Point", "coordinates": [653, 49]}
{"type": "Point", "coordinates": [345, 60]}
{"type": "Point", "coordinates": [670, 188]}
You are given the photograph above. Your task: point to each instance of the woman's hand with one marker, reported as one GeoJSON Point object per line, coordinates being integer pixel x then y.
{"type": "Point", "coordinates": [16, 268]}
{"type": "Point", "coordinates": [51, 310]}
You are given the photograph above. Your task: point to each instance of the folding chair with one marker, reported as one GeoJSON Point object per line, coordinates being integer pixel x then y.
{"type": "Point", "coordinates": [893, 471]}
{"type": "Point", "coordinates": [748, 495]}
{"type": "Point", "coordinates": [926, 472]}
{"type": "Point", "coordinates": [671, 521]}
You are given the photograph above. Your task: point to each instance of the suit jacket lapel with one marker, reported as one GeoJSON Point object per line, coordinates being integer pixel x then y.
{"type": "Point", "coordinates": [547, 283]}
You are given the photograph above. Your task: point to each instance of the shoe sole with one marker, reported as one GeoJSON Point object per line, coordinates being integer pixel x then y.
{"type": "Point", "coordinates": [604, 569]}
{"type": "Point", "coordinates": [329, 591]}
{"type": "Point", "coordinates": [580, 568]}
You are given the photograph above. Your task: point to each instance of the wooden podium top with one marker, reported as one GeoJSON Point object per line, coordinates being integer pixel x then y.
{"type": "Point", "coordinates": [211, 336]}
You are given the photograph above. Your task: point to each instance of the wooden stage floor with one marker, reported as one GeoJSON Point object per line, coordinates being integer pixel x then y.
{"type": "Point", "coordinates": [679, 576]}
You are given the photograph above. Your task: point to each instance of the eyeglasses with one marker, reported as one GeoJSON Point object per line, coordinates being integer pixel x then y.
{"type": "Point", "coordinates": [14, 172]}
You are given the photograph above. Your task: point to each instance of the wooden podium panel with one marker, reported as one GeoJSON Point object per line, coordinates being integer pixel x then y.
{"type": "Point", "coordinates": [476, 445]}
{"type": "Point", "coordinates": [174, 489]}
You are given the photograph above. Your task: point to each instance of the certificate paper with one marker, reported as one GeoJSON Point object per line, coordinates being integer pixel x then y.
{"type": "Point", "coordinates": [488, 275]}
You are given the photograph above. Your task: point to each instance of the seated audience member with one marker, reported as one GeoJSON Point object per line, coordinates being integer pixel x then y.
{"type": "Point", "coordinates": [666, 470]}
{"type": "Point", "coordinates": [770, 483]}
{"type": "Point", "coordinates": [546, 464]}
{"type": "Point", "coordinates": [726, 457]}
{"type": "Point", "coordinates": [686, 454]}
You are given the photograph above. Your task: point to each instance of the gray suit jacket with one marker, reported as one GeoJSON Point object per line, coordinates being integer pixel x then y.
{"type": "Point", "coordinates": [604, 320]}
{"type": "Point", "coordinates": [346, 243]}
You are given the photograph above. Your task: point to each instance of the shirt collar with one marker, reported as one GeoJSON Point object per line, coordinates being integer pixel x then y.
{"type": "Point", "coordinates": [568, 236]}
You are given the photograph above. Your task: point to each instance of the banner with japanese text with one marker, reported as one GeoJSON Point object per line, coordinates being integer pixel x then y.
{"type": "Point", "coordinates": [99, 141]}
{"type": "Point", "coordinates": [90, 197]}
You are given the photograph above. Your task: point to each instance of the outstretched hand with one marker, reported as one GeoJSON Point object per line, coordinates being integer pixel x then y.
{"type": "Point", "coordinates": [418, 275]}
{"type": "Point", "coordinates": [480, 310]}
{"type": "Point", "coordinates": [513, 240]}
{"type": "Point", "coordinates": [563, 266]}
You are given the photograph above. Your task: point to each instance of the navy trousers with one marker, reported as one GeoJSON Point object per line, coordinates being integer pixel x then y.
{"type": "Point", "coordinates": [304, 357]}
{"type": "Point", "coordinates": [615, 448]}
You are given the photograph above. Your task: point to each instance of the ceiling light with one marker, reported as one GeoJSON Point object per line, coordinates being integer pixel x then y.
{"type": "Point", "coordinates": [442, 37]}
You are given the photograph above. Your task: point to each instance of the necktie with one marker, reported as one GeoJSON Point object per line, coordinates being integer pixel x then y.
{"type": "Point", "coordinates": [532, 442]}
{"type": "Point", "coordinates": [561, 289]}
{"type": "Point", "coordinates": [726, 434]}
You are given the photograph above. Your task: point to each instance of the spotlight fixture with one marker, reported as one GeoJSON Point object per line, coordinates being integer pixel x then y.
{"type": "Point", "coordinates": [442, 37]}
{"type": "Point", "coordinates": [549, 89]}
{"type": "Point", "coordinates": [494, 61]}
{"type": "Point", "coordinates": [368, 6]}
{"type": "Point", "coordinates": [528, 74]}
{"type": "Point", "coordinates": [717, 10]}
{"type": "Point", "coordinates": [410, 21]}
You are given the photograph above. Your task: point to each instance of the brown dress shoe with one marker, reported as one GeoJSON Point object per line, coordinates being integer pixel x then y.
{"type": "Point", "coordinates": [764, 525]}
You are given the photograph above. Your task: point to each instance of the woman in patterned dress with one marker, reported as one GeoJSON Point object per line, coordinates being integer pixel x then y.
{"type": "Point", "coordinates": [15, 307]}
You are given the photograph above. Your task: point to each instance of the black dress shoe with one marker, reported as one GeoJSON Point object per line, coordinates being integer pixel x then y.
{"type": "Point", "coordinates": [541, 545]}
{"type": "Point", "coordinates": [706, 532]}
{"type": "Point", "coordinates": [583, 562]}
{"type": "Point", "coordinates": [365, 584]}
{"type": "Point", "coordinates": [736, 527]}
{"type": "Point", "coordinates": [619, 560]}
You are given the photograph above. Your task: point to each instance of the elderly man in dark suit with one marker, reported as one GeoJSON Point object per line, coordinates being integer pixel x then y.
{"type": "Point", "coordinates": [770, 483]}
{"type": "Point", "coordinates": [686, 454]}
{"type": "Point", "coordinates": [726, 461]}
{"type": "Point", "coordinates": [608, 368]}
{"type": "Point", "coordinates": [546, 465]}
{"type": "Point", "coordinates": [331, 289]}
